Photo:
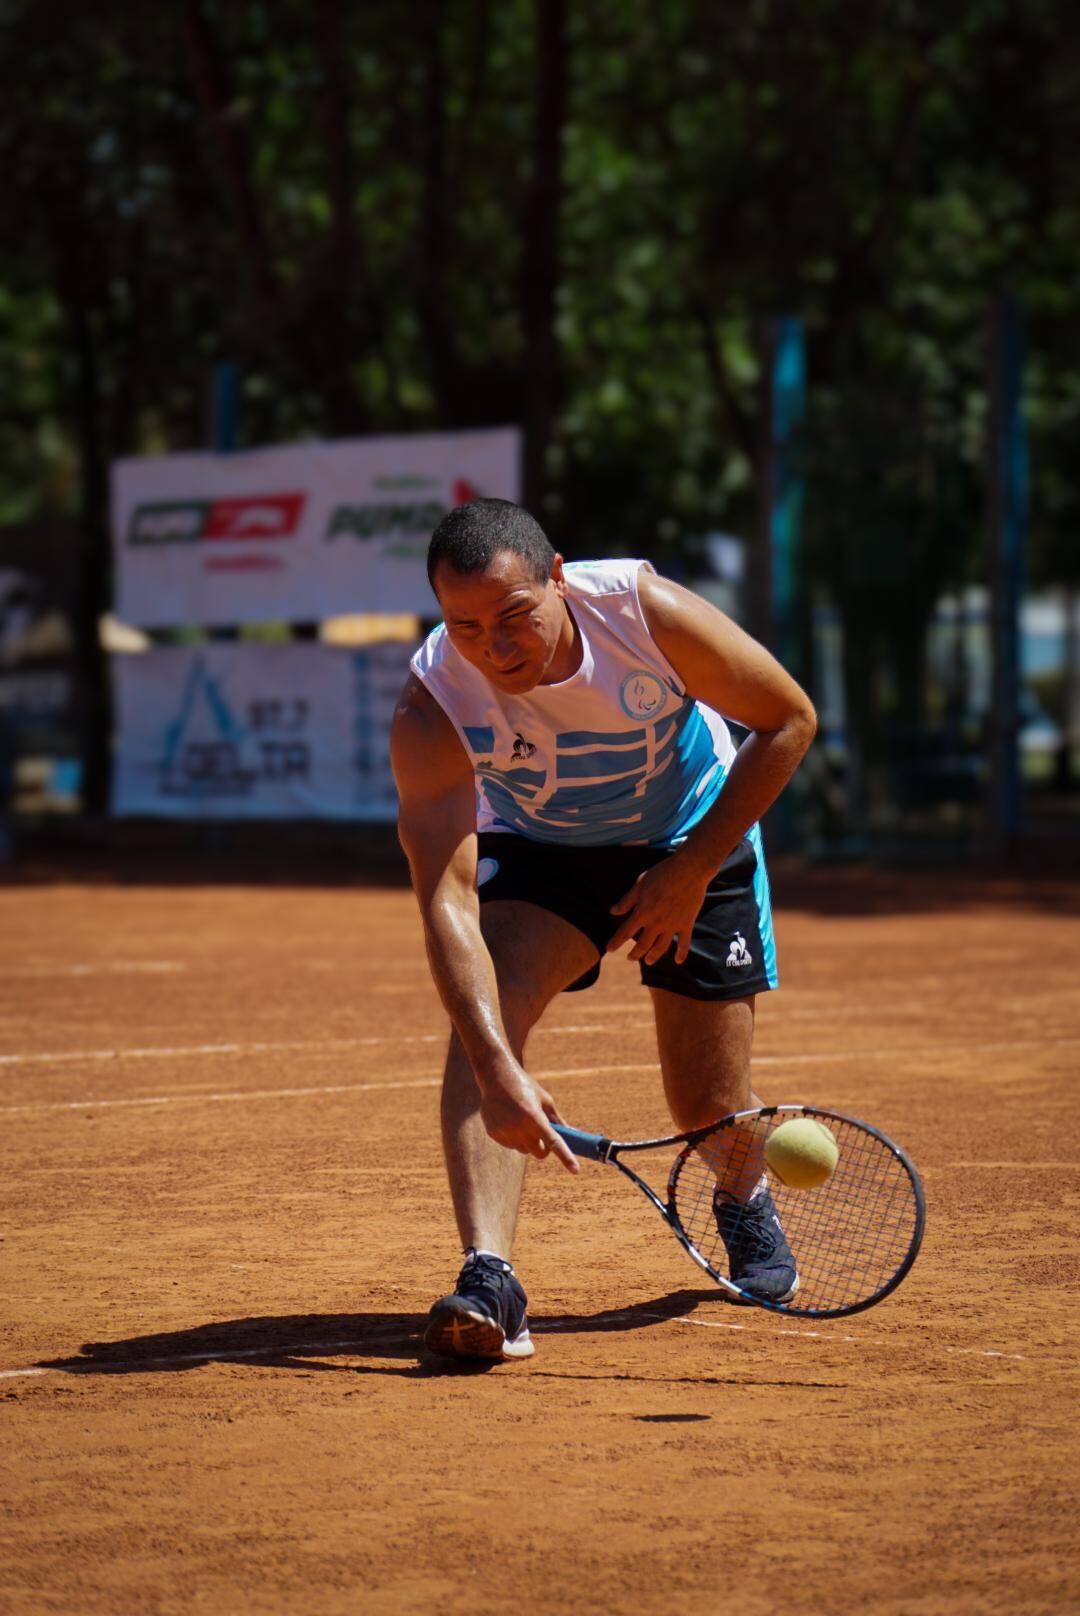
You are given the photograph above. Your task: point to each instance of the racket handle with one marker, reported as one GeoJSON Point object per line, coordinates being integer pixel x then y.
{"type": "Point", "coordinates": [592, 1146]}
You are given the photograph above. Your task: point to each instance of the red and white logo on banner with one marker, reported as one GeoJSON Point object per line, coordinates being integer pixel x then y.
{"type": "Point", "coordinates": [258, 516]}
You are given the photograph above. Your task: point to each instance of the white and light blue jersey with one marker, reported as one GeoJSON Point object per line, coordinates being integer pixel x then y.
{"type": "Point", "coordinates": [616, 754]}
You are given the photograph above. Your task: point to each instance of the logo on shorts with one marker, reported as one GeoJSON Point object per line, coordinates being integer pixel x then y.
{"type": "Point", "coordinates": [523, 749]}
{"type": "Point", "coordinates": [485, 869]}
{"type": "Point", "coordinates": [642, 694]}
{"type": "Point", "coordinates": [738, 954]}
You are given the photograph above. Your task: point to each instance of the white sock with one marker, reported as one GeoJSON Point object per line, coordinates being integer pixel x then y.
{"type": "Point", "coordinates": [481, 1252]}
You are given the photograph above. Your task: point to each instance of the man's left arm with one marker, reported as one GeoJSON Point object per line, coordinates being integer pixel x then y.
{"type": "Point", "coordinates": [723, 667]}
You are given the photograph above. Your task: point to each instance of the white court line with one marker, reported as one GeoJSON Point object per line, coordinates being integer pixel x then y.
{"type": "Point", "coordinates": [830, 1056]}
{"type": "Point", "coordinates": [282, 1094]}
{"type": "Point", "coordinates": [713, 1324]}
{"type": "Point", "coordinates": [172, 1051]}
{"type": "Point", "coordinates": [899, 1052]}
{"type": "Point", "coordinates": [118, 1366]}
{"type": "Point", "coordinates": [110, 968]}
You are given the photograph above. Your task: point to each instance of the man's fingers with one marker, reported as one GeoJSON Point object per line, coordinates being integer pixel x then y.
{"type": "Point", "coordinates": [548, 1106]}
{"type": "Point", "coordinates": [547, 1144]}
{"type": "Point", "coordinates": [652, 945]}
{"type": "Point", "coordinates": [532, 1134]}
{"type": "Point", "coordinates": [624, 933]}
{"type": "Point", "coordinates": [558, 1147]}
{"type": "Point", "coordinates": [628, 899]}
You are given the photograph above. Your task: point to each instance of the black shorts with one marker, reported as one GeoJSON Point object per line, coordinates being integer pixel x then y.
{"type": "Point", "coordinates": [732, 953]}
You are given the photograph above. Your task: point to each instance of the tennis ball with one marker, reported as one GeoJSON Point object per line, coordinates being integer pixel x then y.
{"type": "Point", "coordinates": [802, 1153]}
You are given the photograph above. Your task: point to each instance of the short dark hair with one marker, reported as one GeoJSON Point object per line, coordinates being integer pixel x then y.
{"type": "Point", "coordinates": [470, 537]}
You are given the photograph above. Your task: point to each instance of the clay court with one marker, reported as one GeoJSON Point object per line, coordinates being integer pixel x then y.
{"type": "Point", "coordinates": [225, 1218]}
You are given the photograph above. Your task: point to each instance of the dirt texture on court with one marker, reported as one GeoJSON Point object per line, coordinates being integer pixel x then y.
{"type": "Point", "coordinates": [225, 1217]}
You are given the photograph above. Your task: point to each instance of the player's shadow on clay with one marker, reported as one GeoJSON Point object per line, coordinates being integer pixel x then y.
{"type": "Point", "coordinates": [303, 1341]}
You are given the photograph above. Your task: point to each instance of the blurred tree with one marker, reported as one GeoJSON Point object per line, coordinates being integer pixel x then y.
{"type": "Point", "coordinates": [571, 216]}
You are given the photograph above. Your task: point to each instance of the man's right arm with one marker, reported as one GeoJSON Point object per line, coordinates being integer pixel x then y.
{"type": "Point", "coordinates": [437, 827]}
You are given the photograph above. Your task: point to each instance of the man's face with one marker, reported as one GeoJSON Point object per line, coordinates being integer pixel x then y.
{"type": "Point", "coordinates": [505, 623]}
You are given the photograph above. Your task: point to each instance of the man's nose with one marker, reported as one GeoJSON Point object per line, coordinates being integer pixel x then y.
{"type": "Point", "coordinates": [501, 649]}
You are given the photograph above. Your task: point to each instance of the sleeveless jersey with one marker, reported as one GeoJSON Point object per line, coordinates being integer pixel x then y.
{"type": "Point", "coordinates": [616, 754]}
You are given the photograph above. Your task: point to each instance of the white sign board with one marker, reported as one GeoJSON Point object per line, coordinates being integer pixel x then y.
{"type": "Point", "coordinates": [237, 731]}
{"type": "Point", "coordinates": [296, 533]}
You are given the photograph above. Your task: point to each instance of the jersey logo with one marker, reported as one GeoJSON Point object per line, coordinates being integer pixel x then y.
{"type": "Point", "coordinates": [642, 694]}
{"type": "Point", "coordinates": [738, 954]}
{"type": "Point", "coordinates": [522, 748]}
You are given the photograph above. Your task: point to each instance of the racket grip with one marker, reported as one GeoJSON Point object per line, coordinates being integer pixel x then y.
{"type": "Point", "coordinates": [591, 1146]}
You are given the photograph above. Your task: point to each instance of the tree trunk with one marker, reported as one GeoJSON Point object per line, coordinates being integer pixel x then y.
{"type": "Point", "coordinates": [540, 246]}
{"type": "Point", "coordinates": [434, 314]}
{"type": "Point", "coordinates": [213, 93]}
{"type": "Point", "coordinates": [1064, 774]}
{"type": "Point", "coordinates": [335, 312]}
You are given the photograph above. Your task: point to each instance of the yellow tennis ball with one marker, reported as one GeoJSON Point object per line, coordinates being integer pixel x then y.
{"type": "Point", "coordinates": [802, 1153]}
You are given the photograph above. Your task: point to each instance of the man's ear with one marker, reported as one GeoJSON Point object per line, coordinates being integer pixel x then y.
{"type": "Point", "coordinates": [557, 577]}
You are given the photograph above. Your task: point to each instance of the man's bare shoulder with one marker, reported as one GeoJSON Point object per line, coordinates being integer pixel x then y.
{"type": "Point", "coordinates": [422, 739]}
{"type": "Point", "coordinates": [417, 707]}
{"type": "Point", "coordinates": [669, 605]}
{"type": "Point", "coordinates": [719, 663]}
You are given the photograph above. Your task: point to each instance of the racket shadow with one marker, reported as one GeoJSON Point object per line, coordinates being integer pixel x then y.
{"type": "Point", "coordinates": [308, 1341]}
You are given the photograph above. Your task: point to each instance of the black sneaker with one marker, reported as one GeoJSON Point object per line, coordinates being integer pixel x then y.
{"type": "Point", "coordinates": [485, 1317]}
{"type": "Point", "coordinates": [759, 1257]}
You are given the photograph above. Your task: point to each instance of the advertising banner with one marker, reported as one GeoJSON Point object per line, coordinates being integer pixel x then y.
{"type": "Point", "coordinates": [295, 533]}
{"type": "Point", "coordinates": [238, 731]}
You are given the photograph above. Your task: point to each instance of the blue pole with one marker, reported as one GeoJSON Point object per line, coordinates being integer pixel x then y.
{"type": "Point", "coordinates": [1008, 504]}
{"type": "Point", "coordinates": [788, 391]}
{"type": "Point", "coordinates": [225, 408]}
{"type": "Point", "coordinates": [224, 422]}
{"type": "Point", "coordinates": [775, 563]}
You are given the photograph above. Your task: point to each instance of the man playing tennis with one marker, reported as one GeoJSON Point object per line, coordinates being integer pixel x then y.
{"type": "Point", "coordinates": [567, 786]}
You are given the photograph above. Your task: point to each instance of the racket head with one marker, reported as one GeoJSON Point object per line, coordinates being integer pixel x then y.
{"type": "Point", "coordinates": [854, 1237]}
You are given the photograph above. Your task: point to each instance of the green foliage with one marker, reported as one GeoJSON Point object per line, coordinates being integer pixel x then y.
{"type": "Point", "coordinates": [336, 196]}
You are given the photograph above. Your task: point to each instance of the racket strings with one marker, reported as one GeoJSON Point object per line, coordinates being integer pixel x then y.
{"type": "Point", "coordinates": [849, 1236]}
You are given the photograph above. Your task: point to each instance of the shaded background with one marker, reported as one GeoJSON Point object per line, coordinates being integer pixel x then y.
{"type": "Point", "coordinates": [584, 218]}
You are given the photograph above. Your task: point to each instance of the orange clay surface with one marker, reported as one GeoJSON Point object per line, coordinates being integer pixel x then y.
{"type": "Point", "coordinates": [225, 1217]}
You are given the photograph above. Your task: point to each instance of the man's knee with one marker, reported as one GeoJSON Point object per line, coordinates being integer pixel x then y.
{"type": "Point", "coordinates": [520, 1004]}
{"type": "Point", "coordinates": [520, 1008]}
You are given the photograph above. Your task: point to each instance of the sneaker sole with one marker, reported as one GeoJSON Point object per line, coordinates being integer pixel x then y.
{"type": "Point", "coordinates": [456, 1331]}
{"type": "Point", "coordinates": [779, 1301]}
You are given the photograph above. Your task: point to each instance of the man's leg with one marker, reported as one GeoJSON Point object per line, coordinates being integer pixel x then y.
{"type": "Point", "coordinates": [536, 954]}
{"type": "Point", "coordinates": [705, 1048]}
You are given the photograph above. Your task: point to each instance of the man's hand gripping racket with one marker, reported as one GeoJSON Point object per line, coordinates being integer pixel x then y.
{"type": "Point", "coordinates": [821, 1252]}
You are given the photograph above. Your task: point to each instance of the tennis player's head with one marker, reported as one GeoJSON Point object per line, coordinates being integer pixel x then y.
{"type": "Point", "coordinates": [501, 588]}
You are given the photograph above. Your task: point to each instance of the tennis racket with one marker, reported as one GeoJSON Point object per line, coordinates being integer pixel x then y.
{"type": "Point", "coordinates": [853, 1238]}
